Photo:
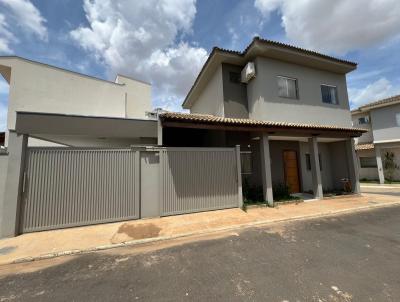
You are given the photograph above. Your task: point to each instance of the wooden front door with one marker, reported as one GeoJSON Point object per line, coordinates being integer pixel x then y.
{"type": "Point", "coordinates": [291, 170]}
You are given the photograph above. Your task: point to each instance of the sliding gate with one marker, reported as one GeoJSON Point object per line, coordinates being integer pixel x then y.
{"type": "Point", "coordinates": [65, 187]}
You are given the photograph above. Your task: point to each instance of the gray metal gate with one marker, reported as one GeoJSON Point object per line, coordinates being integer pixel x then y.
{"type": "Point", "coordinates": [199, 179]}
{"type": "Point", "coordinates": [67, 187]}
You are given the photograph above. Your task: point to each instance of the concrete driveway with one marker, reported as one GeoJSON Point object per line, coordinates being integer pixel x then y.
{"type": "Point", "coordinates": [386, 189]}
{"type": "Point", "coordinates": [353, 257]}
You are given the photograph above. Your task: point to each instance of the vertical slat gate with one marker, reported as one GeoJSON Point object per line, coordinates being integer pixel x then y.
{"type": "Point", "coordinates": [198, 179]}
{"type": "Point", "coordinates": [67, 187]}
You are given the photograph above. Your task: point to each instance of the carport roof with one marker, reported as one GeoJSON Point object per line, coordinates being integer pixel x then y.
{"type": "Point", "coordinates": [177, 119]}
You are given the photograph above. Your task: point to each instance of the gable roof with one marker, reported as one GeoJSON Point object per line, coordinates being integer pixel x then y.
{"type": "Point", "coordinates": [270, 49]}
{"type": "Point", "coordinates": [378, 104]}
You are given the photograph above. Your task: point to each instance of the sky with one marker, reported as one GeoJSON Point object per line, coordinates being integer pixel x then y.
{"type": "Point", "coordinates": [166, 42]}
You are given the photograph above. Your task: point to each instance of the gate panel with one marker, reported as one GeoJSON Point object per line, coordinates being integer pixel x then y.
{"type": "Point", "coordinates": [198, 179]}
{"type": "Point", "coordinates": [69, 187]}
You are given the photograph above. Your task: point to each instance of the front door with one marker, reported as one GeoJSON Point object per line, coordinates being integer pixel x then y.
{"type": "Point", "coordinates": [291, 170]}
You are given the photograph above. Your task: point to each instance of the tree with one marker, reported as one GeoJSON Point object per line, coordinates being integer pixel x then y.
{"type": "Point", "coordinates": [389, 165]}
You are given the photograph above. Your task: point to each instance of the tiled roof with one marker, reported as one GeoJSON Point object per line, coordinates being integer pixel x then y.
{"type": "Point", "coordinates": [364, 146]}
{"type": "Point", "coordinates": [387, 101]}
{"type": "Point", "coordinates": [212, 119]}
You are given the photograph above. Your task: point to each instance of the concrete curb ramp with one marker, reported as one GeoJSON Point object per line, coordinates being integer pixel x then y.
{"type": "Point", "coordinates": [201, 232]}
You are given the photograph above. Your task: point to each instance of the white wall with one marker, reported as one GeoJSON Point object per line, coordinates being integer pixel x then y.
{"type": "Point", "coordinates": [38, 87]}
{"type": "Point", "coordinates": [384, 124]}
{"type": "Point", "coordinates": [211, 99]}
{"type": "Point", "coordinates": [265, 104]}
{"type": "Point", "coordinates": [366, 137]}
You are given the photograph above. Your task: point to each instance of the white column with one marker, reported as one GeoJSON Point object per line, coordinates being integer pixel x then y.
{"type": "Point", "coordinates": [315, 168]}
{"type": "Point", "coordinates": [266, 169]}
{"type": "Point", "coordinates": [379, 164]}
{"type": "Point", "coordinates": [239, 172]}
{"type": "Point", "coordinates": [353, 166]}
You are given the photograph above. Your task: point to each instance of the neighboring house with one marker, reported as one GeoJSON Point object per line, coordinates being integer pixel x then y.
{"type": "Point", "coordinates": [43, 89]}
{"type": "Point", "coordinates": [286, 107]}
{"type": "Point", "coordinates": [382, 120]}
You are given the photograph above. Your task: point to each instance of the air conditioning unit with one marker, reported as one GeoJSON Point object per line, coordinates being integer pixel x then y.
{"type": "Point", "coordinates": [248, 72]}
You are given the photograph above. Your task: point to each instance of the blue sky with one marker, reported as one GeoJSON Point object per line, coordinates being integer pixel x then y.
{"type": "Point", "coordinates": [166, 42]}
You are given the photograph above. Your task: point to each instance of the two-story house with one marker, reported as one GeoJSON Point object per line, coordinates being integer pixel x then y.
{"type": "Point", "coordinates": [382, 120]}
{"type": "Point", "coordinates": [286, 107]}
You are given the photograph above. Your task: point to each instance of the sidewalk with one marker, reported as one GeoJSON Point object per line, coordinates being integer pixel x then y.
{"type": "Point", "coordinates": [42, 245]}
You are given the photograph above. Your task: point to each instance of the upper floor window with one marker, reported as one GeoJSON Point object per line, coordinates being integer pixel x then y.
{"type": "Point", "coordinates": [329, 94]}
{"type": "Point", "coordinates": [398, 119]}
{"type": "Point", "coordinates": [363, 120]}
{"type": "Point", "coordinates": [287, 87]}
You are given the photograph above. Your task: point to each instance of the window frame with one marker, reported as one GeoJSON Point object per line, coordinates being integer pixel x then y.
{"type": "Point", "coordinates": [366, 120]}
{"type": "Point", "coordinates": [365, 164]}
{"type": "Point", "coordinates": [336, 94]}
{"type": "Point", "coordinates": [397, 118]}
{"type": "Point", "coordinates": [308, 161]}
{"type": "Point", "coordinates": [296, 87]}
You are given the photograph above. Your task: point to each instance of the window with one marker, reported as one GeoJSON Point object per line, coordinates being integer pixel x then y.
{"type": "Point", "coordinates": [368, 162]}
{"type": "Point", "coordinates": [308, 162]}
{"type": "Point", "coordinates": [246, 162]}
{"type": "Point", "coordinates": [398, 119]}
{"type": "Point", "coordinates": [234, 77]}
{"type": "Point", "coordinates": [287, 87]}
{"type": "Point", "coordinates": [329, 94]}
{"type": "Point", "coordinates": [363, 120]}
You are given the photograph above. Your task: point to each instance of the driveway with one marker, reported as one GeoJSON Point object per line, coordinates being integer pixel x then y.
{"type": "Point", "coordinates": [344, 258]}
{"type": "Point", "coordinates": [386, 189]}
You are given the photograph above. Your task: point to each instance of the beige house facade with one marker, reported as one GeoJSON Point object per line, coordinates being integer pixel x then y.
{"type": "Point", "coordinates": [381, 119]}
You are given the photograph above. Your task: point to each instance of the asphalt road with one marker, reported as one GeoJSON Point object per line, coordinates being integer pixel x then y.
{"type": "Point", "coordinates": [345, 258]}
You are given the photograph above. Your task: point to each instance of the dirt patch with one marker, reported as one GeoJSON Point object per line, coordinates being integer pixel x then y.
{"type": "Point", "coordinates": [140, 231]}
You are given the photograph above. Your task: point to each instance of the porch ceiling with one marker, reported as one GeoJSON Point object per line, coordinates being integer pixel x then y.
{"type": "Point", "coordinates": [201, 121]}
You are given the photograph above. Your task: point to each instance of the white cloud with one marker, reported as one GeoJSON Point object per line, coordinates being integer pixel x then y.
{"type": "Point", "coordinates": [336, 26]}
{"type": "Point", "coordinates": [27, 16]}
{"type": "Point", "coordinates": [144, 39]}
{"type": "Point", "coordinates": [375, 91]}
{"type": "Point", "coordinates": [21, 14]}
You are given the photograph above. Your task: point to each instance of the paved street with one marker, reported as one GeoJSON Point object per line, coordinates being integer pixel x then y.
{"type": "Point", "coordinates": [345, 258]}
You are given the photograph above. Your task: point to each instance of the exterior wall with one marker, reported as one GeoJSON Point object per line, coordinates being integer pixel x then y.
{"type": "Point", "coordinates": [3, 176]}
{"type": "Point", "coordinates": [384, 124]}
{"type": "Point", "coordinates": [367, 173]}
{"type": "Point", "coordinates": [41, 88]}
{"type": "Point", "coordinates": [366, 137]}
{"type": "Point", "coordinates": [211, 100]}
{"type": "Point", "coordinates": [339, 165]}
{"type": "Point", "coordinates": [235, 94]}
{"type": "Point", "coordinates": [326, 171]}
{"type": "Point", "coordinates": [265, 104]}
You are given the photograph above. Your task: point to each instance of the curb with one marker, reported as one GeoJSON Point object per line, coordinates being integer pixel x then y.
{"type": "Point", "coordinates": [196, 233]}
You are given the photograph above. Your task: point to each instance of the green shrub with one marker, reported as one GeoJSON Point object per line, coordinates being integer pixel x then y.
{"type": "Point", "coordinates": [281, 191]}
{"type": "Point", "coordinates": [252, 194]}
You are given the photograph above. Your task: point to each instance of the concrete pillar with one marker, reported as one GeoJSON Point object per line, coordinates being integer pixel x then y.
{"type": "Point", "coordinates": [379, 164]}
{"type": "Point", "coordinates": [239, 176]}
{"type": "Point", "coordinates": [266, 169]}
{"type": "Point", "coordinates": [10, 209]}
{"type": "Point", "coordinates": [159, 133]}
{"type": "Point", "coordinates": [315, 168]}
{"type": "Point", "coordinates": [353, 165]}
